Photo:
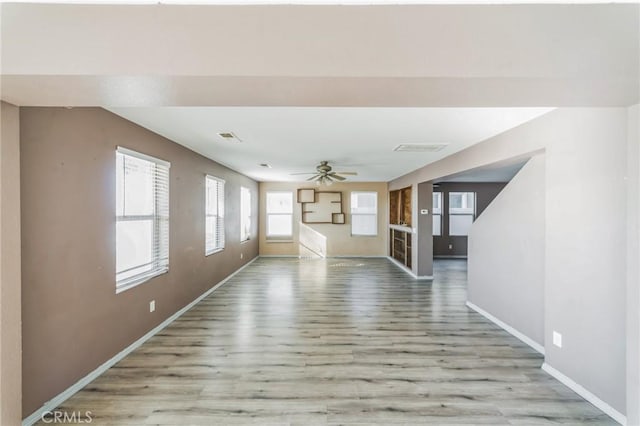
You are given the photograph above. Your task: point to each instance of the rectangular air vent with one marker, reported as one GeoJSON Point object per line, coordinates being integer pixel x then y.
{"type": "Point", "coordinates": [420, 147]}
{"type": "Point", "coordinates": [229, 136]}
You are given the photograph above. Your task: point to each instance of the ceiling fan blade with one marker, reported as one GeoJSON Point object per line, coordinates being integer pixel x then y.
{"type": "Point", "coordinates": [314, 177]}
{"type": "Point", "coordinates": [336, 177]}
{"type": "Point", "coordinates": [348, 173]}
{"type": "Point", "coordinates": [303, 173]}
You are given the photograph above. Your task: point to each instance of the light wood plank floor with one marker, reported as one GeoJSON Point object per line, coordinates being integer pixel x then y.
{"type": "Point", "coordinates": [337, 341]}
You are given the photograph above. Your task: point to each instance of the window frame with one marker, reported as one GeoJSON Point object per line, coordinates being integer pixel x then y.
{"type": "Point", "coordinates": [437, 211]}
{"type": "Point", "coordinates": [364, 214]}
{"type": "Point", "coordinates": [221, 240]}
{"type": "Point", "coordinates": [245, 190]}
{"type": "Point", "coordinates": [278, 237]}
{"type": "Point", "coordinates": [161, 222]}
{"type": "Point", "coordinates": [455, 213]}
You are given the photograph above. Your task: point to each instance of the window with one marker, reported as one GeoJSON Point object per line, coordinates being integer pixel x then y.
{"type": "Point", "coordinates": [437, 214]}
{"type": "Point", "coordinates": [214, 215]}
{"type": "Point", "coordinates": [462, 209]}
{"type": "Point", "coordinates": [245, 214]}
{"type": "Point", "coordinates": [279, 215]}
{"type": "Point", "coordinates": [142, 218]}
{"type": "Point", "coordinates": [364, 213]}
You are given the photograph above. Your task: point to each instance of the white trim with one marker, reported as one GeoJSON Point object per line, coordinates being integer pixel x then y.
{"type": "Point", "coordinates": [506, 327]}
{"type": "Point", "coordinates": [369, 256]}
{"type": "Point", "coordinates": [350, 256]}
{"type": "Point", "coordinates": [606, 408]}
{"type": "Point", "coordinates": [409, 271]}
{"type": "Point", "coordinates": [142, 156]}
{"type": "Point", "coordinates": [402, 228]}
{"type": "Point", "coordinates": [71, 390]}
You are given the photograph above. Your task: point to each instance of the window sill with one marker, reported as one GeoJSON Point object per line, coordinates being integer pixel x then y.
{"type": "Point", "coordinates": [362, 235]}
{"type": "Point", "coordinates": [127, 285]}
{"type": "Point", "coordinates": [278, 241]}
{"type": "Point", "coordinates": [245, 241]}
{"type": "Point", "coordinates": [209, 253]}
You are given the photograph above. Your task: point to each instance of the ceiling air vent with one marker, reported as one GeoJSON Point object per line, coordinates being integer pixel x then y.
{"type": "Point", "coordinates": [229, 136]}
{"type": "Point", "coordinates": [419, 147]}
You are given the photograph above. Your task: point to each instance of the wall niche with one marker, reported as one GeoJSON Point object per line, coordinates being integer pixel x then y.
{"type": "Point", "coordinates": [400, 207]}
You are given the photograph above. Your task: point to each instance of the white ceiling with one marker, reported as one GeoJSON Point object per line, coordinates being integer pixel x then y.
{"type": "Point", "coordinates": [305, 83]}
{"type": "Point", "coordinates": [295, 140]}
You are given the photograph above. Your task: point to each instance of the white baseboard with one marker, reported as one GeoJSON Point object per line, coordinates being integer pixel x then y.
{"type": "Point", "coordinates": [281, 255]}
{"type": "Point", "coordinates": [409, 271]}
{"type": "Point", "coordinates": [606, 408]}
{"type": "Point", "coordinates": [356, 256]}
{"type": "Point", "coordinates": [70, 391]}
{"type": "Point", "coordinates": [506, 327]}
{"type": "Point", "coordinates": [350, 256]}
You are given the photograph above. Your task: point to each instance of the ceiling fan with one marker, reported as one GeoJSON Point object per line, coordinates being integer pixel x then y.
{"type": "Point", "coordinates": [324, 175]}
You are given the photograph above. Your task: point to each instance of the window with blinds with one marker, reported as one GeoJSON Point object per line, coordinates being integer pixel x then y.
{"type": "Point", "coordinates": [245, 214]}
{"type": "Point", "coordinates": [279, 215]}
{"type": "Point", "coordinates": [214, 214]}
{"type": "Point", "coordinates": [364, 213]}
{"type": "Point", "coordinates": [142, 218]}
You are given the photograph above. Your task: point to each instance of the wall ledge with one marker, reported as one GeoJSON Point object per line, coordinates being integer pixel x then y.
{"type": "Point", "coordinates": [606, 408]}
{"type": "Point", "coordinates": [71, 390]}
{"type": "Point", "coordinates": [506, 327]}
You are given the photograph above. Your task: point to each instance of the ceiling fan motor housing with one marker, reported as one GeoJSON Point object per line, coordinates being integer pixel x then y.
{"type": "Point", "coordinates": [323, 168]}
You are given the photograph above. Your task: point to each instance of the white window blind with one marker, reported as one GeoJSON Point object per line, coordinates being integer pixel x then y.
{"type": "Point", "coordinates": [437, 213]}
{"type": "Point", "coordinates": [245, 214]}
{"type": "Point", "coordinates": [462, 210]}
{"type": "Point", "coordinates": [214, 214]}
{"type": "Point", "coordinates": [142, 218]}
{"type": "Point", "coordinates": [279, 215]}
{"type": "Point", "coordinates": [364, 213]}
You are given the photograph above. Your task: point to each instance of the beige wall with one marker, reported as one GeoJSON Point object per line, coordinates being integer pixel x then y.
{"type": "Point", "coordinates": [332, 240]}
{"type": "Point", "coordinates": [10, 305]}
{"type": "Point", "coordinates": [73, 321]}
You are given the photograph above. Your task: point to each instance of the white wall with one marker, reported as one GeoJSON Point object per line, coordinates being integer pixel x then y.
{"type": "Point", "coordinates": [633, 266]}
{"type": "Point", "coordinates": [506, 254]}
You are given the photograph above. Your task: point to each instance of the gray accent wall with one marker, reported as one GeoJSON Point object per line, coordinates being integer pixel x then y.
{"type": "Point", "coordinates": [585, 259]}
{"type": "Point", "coordinates": [73, 320]}
{"type": "Point", "coordinates": [509, 283]}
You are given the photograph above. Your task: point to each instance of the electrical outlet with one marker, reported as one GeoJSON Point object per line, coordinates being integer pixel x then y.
{"type": "Point", "coordinates": [557, 339]}
{"type": "Point", "coordinates": [241, 255]}
{"type": "Point", "coordinates": [152, 306]}
{"type": "Point", "coordinates": [450, 246]}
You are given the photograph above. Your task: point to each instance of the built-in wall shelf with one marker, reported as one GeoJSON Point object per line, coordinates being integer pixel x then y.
{"type": "Point", "coordinates": [400, 207]}
{"type": "Point", "coordinates": [400, 245]}
{"type": "Point", "coordinates": [321, 206]}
